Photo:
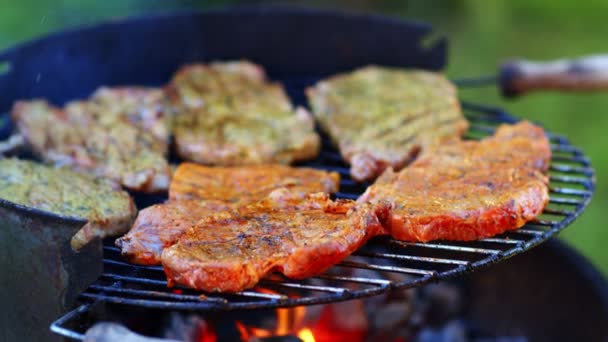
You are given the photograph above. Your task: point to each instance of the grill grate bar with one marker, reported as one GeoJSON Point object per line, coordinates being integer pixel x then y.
{"type": "Point", "coordinates": [569, 191]}
{"type": "Point", "coordinates": [503, 241]}
{"type": "Point", "coordinates": [149, 303]}
{"type": "Point", "coordinates": [568, 179]}
{"type": "Point", "coordinates": [304, 286]}
{"type": "Point", "coordinates": [542, 222]}
{"type": "Point", "coordinates": [410, 257]}
{"type": "Point", "coordinates": [154, 294]}
{"type": "Point", "coordinates": [137, 280]}
{"type": "Point", "coordinates": [585, 171]}
{"type": "Point", "coordinates": [571, 159]}
{"type": "Point", "coordinates": [562, 200]}
{"type": "Point", "coordinates": [453, 248]}
{"type": "Point", "coordinates": [262, 295]}
{"type": "Point", "coordinates": [366, 266]}
{"type": "Point", "coordinates": [528, 231]}
{"type": "Point", "coordinates": [358, 280]}
{"type": "Point", "coordinates": [557, 212]}
{"type": "Point", "coordinates": [565, 148]}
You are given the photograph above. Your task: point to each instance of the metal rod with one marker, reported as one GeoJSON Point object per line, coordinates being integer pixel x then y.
{"type": "Point", "coordinates": [503, 241]}
{"type": "Point", "coordinates": [563, 200]}
{"type": "Point", "coordinates": [156, 294]}
{"type": "Point", "coordinates": [411, 257]}
{"type": "Point", "coordinates": [571, 159]}
{"type": "Point", "coordinates": [57, 328]}
{"type": "Point", "coordinates": [570, 191]}
{"type": "Point", "coordinates": [304, 286]}
{"type": "Point", "coordinates": [557, 212]}
{"type": "Point", "coordinates": [528, 231]}
{"type": "Point", "coordinates": [565, 148]}
{"type": "Point", "coordinates": [541, 222]}
{"type": "Point", "coordinates": [362, 265]}
{"type": "Point", "coordinates": [571, 169]}
{"type": "Point", "coordinates": [454, 248]}
{"type": "Point", "coordinates": [568, 179]}
{"type": "Point", "coordinates": [354, 279]}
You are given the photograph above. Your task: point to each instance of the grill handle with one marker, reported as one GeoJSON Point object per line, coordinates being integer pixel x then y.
{"type": "Point", "coordinates": [518, 77]}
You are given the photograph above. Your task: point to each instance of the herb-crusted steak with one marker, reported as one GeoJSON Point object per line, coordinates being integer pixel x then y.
{"type": "Point", "coordinates": [381, 117]}
{"type": "Point", "coordinates": [118, 133]}
{"type": "Point", "coordinates": [468, 190]}
{"type": "Point", "coordinates": [64, 192]}
{"type": "Point", "coordinates": [197, 192]}
{"type": "Point", "coordinates": [297, 237]}
{"type": "Point", "coordinates": [229, 114]}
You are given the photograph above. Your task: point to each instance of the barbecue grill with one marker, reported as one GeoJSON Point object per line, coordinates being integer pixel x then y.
{"type": "Point", "coordinates": [298, 47]}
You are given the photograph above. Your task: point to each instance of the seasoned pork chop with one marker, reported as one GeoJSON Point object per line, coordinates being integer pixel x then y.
{"type": "Point", "coordinates": [229, 114]}
{"type": "Point", "coordinates": [67, 193]}
{"type": "Point", "coordinates": [297, 237]}
{"type": "Point", "coordinates": [160, 226]}
{"type": "Point", "coordinates": [197, 192]}
{"type": "Point", "coordinates": [381, 117]}
{"type": "Point", "coordinates": [468, 190]}
{"type": "Point", "coordinates": [250, 183]}
{"type": "Point", "coordinates": [118, 133]}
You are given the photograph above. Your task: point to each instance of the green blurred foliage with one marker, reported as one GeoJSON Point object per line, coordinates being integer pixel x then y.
{"type": "Point", "coordinates": [482, 34]}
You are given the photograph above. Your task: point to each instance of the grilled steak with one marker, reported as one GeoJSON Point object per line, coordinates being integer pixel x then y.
{"type": "Point", "coordinates": [297, 237]}
{"type": "Point", "coordinates": [468, 190]}
{"type": "Point", "coordinates": [197, 192]}
{"type": "Point", "coordinates": [381, 117]}
{"type": "Point", "coordinates": [119, 134]}
{"type": "Point", "coordinates": [249, 183]}
{"type": "Point", "coordinates": [228, 114]}
{"type": "Point", "coordinates": [66, 193]}
{"type": "Point", "coordinates": [161, 225]}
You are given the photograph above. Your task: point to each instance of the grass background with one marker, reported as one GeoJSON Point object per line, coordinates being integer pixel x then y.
{"type": "Point", "coordinates": [482, 34]}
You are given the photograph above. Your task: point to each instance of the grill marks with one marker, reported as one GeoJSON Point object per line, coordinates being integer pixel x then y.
{"type": "Point", "coordinates": [228, 114]}
{"type": "Point", "coordinates": [381, 117]}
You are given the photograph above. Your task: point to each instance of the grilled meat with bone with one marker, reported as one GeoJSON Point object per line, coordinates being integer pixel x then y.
{"type": "Point", "coordinates": [64, 192]}
{"type": "Point", "coordinates": [197, 192]}
{"type": "Point", "coordinates": [381, 117]}
{"type": "Point", "coordinates": [468, 190]}
{"type": "Point", "coordinates": [228, 114]}
{"type": "Point", "coordinates": [118, 133]}
{"type": "Point", "coordinates": [298, 237]}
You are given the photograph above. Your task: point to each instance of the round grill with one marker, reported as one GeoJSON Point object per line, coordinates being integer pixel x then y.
{"type": "Point", "coordinates": [381, 265]}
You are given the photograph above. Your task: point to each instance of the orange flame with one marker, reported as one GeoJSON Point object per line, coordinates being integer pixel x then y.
{"type": "Point", "coordinates": [306, 335]}
{"type": "Point", "coordinates": [289, 321]}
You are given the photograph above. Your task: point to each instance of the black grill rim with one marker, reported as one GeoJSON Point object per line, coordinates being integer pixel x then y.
{"type": "Point", "coordinates": [575, 191]}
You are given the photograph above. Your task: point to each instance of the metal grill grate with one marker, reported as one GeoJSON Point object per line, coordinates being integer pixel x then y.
{"type": "Point", "coordinates": [383, 263]}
